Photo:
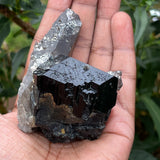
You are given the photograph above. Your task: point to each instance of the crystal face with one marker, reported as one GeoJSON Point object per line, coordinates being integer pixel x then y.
{"type": "Point", "coordinates": [75, 101]}
{"type": "Point", "coordinates": [66, 99]}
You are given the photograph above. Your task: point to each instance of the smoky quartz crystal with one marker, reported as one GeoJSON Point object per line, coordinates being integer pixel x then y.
{"type": "Point", "coordinates": [64, 98]}
{"type": "Point", "coordinates": [75, 101]}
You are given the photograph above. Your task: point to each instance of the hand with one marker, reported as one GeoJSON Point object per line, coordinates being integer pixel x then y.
{"type": "Point", "coordinates": [108, 46]}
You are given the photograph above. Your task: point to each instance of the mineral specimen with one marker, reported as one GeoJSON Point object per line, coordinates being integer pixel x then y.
{"type": "Point", "coordinates": [75, 101]}
{"type": "Point", "coordinates": [53, 48]}
{"type": "Point", "coordinates": [66, 99]}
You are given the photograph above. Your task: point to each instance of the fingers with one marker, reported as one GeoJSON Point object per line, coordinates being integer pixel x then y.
{"type": "Point", "coordinates": [86, 9]}
{"type": "Point", "coordinates": [52, 12]}
{"type": "Point", "coordinates": [124, 58]}
{"type": "Point", "coordinates": [101, 52]}
{"type": "Point", "coordinates": [119, 130]}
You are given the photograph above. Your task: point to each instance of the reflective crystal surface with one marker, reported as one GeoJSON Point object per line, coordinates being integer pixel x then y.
{"type": "Point", "coordinates": [75, 101]}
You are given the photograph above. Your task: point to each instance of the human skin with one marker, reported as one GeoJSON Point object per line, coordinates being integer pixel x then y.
{"type": "Point", "coordinates": [108, 45]}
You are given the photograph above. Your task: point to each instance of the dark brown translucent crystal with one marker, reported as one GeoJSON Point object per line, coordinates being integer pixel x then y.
{"type": "Point", "coordinates": [75, 100]}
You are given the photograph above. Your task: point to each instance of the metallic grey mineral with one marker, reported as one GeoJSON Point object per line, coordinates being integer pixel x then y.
{"type": "Point", "coordinates": [52, 49]}
{"type": "Point", "coordinates": [117, 74]}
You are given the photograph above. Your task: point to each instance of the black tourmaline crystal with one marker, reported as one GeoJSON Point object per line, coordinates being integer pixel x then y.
{"type": "Point", "coordinates": [75, 100]}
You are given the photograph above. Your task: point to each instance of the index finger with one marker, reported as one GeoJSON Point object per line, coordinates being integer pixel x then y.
{"type": "Point", "coordinates": [52, 12]}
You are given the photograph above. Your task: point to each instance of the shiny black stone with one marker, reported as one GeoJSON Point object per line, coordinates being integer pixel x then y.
{"type": "Point", "coordinates": [75, 101]}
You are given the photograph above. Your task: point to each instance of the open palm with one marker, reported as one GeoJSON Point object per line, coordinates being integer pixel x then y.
{"type": "Point", "coordinates": [107, 45]}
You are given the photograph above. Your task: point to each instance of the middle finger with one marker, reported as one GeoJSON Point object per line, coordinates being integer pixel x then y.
{"type": "Point", "coordinates": [86, 9]}
{"type": "Point", "coordinates": [101, 52]}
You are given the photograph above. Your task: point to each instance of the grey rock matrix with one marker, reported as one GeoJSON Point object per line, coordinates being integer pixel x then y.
{"type": "Point", "coordinates": [52, 49]}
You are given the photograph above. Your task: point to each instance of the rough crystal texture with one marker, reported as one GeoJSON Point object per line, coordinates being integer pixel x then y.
{"type": "Point", "coordinates": [52, 49]}
{"type": "Point", "coordinates": [75, 101]}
